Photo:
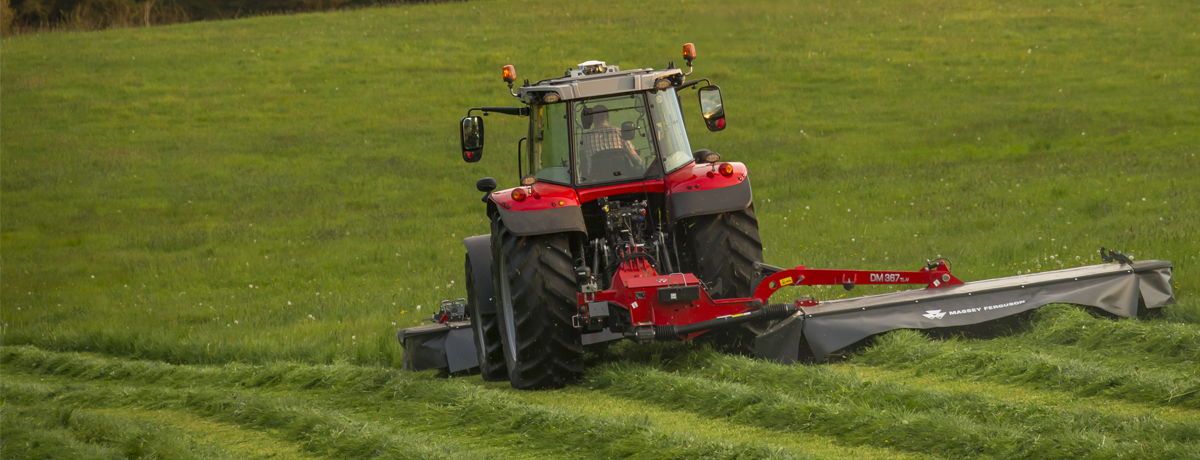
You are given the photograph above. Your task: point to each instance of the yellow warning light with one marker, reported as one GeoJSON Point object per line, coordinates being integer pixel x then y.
{"type": "Point", "coordinates": [689, 52]}
{"type": "Point", "coordinates": [510, 74]}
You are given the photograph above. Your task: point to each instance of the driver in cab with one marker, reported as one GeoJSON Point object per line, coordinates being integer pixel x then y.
{"type": "Point", "coordinates": [603, 137]}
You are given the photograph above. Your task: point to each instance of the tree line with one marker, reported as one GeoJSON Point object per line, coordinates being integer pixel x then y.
{"type": "Point", "coordinates": [35, 15]}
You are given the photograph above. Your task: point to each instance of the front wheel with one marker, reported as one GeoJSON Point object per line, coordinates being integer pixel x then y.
{"type": "Point", "coordinates": [536, 298]}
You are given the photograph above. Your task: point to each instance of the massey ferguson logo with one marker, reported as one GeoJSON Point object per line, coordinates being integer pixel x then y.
{"type": "Point", "coordinates": [938, 314]}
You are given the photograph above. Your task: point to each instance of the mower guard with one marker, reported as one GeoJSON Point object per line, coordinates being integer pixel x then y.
{"type": "Point", "coordinates": [832, 325]}
{"type": "Point", "coordinates": [439, 346]}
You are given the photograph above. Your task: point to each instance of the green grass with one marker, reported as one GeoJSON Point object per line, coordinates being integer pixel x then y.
{"type": "Point", "coordinates": [285, 191]}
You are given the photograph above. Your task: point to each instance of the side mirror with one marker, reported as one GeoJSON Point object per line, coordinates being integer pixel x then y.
{"type": "Point", "coordinates": [486, 185]}
{"type": "Point", "coordinates": [712, 108]}
{"type": "Point", "coordinates": [628, 130]}
{"type": "Point", "coordinates": [471, 132]}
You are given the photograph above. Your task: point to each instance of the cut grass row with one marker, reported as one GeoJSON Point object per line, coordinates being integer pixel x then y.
{"type": "Point", "coordinates": [1132, 377]}
{"type": "Point", "coordinates": [926, 421]}
{"type": "Point", "coordinates": [1166, 341]}
{"type": "Point", "coordinates": [825, 385]}
{"type": "Point", "coordinates": [587, 400]}
{"type": "Point", "coordinates": [39, 430]}
{"type": "Point", "coordinates": [315, 429]}
{"type": "Point", "coordinates": [733, 391]}
{"type": "Point", "coordinates": [419, 406]}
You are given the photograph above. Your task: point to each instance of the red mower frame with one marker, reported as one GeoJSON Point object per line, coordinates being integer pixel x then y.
{"type": "Point", "coordinates": [679, 300]}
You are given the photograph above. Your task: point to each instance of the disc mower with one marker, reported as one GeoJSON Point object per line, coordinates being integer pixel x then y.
{"type": "Point", "coordinates": [619, 230]}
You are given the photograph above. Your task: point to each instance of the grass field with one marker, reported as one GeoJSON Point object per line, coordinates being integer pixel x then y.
{"type": "Point", "coordinates": [210, 232]}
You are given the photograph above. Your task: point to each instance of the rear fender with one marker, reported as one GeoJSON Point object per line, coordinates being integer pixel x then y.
{"type": "Point", "coordinates": [547, 208]}
{"type": "Point", "coordinates": [479, 251]}
{"type": "Point", "coordinates": [699, 189]}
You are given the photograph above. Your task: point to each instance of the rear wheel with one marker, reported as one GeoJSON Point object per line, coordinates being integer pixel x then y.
{"type": "Point", "coordinates": [721, 250]}
{"type": "Point", "coordinates": [536, 298]}
{"type": "Point", "coordinates": [486, 330]}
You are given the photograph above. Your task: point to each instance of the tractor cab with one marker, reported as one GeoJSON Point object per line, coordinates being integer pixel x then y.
{"type": "Point", "coordinates": [598, 125]}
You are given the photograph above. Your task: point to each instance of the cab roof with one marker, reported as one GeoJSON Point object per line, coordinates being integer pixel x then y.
{"type": "Point", "coordinates": [577, 85]}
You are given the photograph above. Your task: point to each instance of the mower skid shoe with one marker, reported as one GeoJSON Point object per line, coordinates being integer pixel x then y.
{"type": "Point", "coordinates": [448, 346]}
{"type": "Point", "coordinates": [831, 326]}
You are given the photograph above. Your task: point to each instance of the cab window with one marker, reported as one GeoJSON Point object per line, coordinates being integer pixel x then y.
{"type": "Point", "coordinates": [549, 147]}
{"type": "Point", "coordinates": [669, 130]}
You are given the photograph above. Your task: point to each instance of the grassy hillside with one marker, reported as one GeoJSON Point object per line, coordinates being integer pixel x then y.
{"type": "Point", "coordinates": [284, 193]}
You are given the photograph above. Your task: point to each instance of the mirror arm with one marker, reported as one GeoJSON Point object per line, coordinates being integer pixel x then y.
{"type": "Point", "coordinates": [691, 84]}
{"type": "Point", "coordinates": [519, 111]}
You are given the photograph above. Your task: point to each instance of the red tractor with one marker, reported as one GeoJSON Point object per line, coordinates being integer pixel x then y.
{"type": "Point", "coordinates": [618, 229]}
{"type": "Point", "coordinates": [610, 186]}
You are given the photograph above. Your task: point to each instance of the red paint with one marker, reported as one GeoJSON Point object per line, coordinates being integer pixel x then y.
{"type": "Point", "coordinates": [801, 276]}
{"type": "Point", "coordinates": [690, 178]}
{"type": "Point", "coordinates": [696, 176]}
{"type": "Point", "coordinates": [638, 276]}
{"type": "Point", "coordinates": [648, 186]}
{"type": "Point", "coordinates": [539, 196]}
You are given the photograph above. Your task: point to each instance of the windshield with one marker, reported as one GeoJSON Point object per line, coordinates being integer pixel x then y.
{"type": "Point", "coordinates": [611, 139]}
{"type": "Point", "coordinates": [668, 128]}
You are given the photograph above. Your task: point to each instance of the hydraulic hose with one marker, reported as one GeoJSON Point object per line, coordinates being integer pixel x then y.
{"type": "Point", "coordinates": [769, 312]}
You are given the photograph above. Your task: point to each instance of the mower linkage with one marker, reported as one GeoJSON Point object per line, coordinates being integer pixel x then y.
{"type": "Point", "coordinates": [677, 305]}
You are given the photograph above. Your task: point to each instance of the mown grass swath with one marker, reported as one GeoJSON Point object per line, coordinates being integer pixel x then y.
{"type": "Point", "coordinates": [1135, 378]}
{"type": "Point", "coordinates": [443, 404]}
{"type": "Point", "coordinates": [87, 433]}
{"type": "Point", "coordinates": [820, 400]}
{"type": "Point", "coordinates": [1165, 341]}
{"type": "Point", "coordinates": [284, 193]}
{"type": "Point", "coordinates": [746, 391]}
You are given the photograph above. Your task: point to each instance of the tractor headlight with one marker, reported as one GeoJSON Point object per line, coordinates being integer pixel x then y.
{"type": "Point", "coordinates": [703, 156]}
{"type": "Point", "coordinates": [550, 98]}
{"type": "Point", "coordinates": [528, 180]}
{"type": "Point", "coordinates": [661, 84]}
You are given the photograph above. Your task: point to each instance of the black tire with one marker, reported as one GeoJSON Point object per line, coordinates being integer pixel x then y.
{"type": "Point", "coordinates": [535, 300]}
{"type": "Point", "coordinates": [487, 333]}
{"type": "Point", "coordinates": [721, 250]}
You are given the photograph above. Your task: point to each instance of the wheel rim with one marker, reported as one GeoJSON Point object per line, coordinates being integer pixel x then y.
{"type": "Point", "coordinates": [506, 310]}
{"type": "Point", "coordinates": [473, 306]}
